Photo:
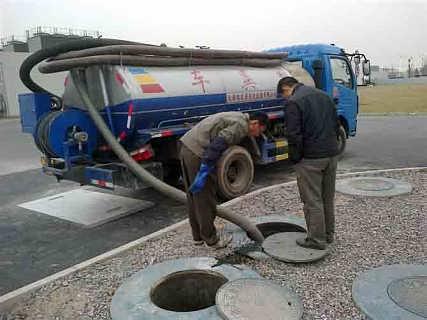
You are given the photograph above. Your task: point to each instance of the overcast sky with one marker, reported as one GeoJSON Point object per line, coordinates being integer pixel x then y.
{"type": "Point", "coordinates": [389, 31]}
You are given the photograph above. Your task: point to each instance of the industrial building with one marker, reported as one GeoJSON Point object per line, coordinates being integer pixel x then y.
{"type": "Point", "coordinates": [14, 50]}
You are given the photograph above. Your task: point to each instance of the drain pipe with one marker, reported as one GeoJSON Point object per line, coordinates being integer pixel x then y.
{"type": "Point", "coordinates": [147, 177]}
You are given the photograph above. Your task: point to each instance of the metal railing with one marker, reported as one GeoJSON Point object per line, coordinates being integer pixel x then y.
{"type": "Point", "coordinates": [63, 31]}
{"type": "Point", "coordinates": [6, 40]}
{"type": "Point", "coordinates": [40, 30]}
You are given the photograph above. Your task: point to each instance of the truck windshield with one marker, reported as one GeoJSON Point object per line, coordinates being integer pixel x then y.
{"type": "Point", "coordinates": [341, 72]}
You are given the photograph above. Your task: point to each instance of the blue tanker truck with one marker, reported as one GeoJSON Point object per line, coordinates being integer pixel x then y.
{"type": "Point", "coordinates": [148, 106]}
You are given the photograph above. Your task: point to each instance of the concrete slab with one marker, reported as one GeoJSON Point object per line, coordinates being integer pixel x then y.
{"type": "Point", "coordinates": [87, 208]}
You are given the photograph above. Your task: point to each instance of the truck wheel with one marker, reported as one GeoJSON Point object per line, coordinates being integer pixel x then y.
{"type": "Point", "coordinates": [235, 172]}
{"type": "Point", "coordinates": [342, 141]}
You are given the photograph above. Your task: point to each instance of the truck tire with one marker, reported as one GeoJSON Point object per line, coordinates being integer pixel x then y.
{"type": "Point", "coordinates": [342, 141]}
{"type": "Point", "coordinates": [235, 172]}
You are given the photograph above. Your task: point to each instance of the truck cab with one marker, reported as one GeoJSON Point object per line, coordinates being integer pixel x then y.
{"type": "Point", "coordinates": [332, 72]}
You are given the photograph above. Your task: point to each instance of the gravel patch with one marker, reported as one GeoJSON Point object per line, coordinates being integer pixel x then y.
{"type": "Point", "coordinates": [370, 232]}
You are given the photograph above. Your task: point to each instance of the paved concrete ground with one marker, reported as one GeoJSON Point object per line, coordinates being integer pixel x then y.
{"type": "Point", "coordinates": [33, 245]}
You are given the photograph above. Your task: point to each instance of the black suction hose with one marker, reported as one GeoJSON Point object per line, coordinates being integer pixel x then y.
{"type": "Point", "coordinates": [151, 61]}
{"type": "Point", "coordinates": [143, 174]}
{"type": "Point", "coordinates": [82, 53]}
{"type": "Point", "coordinates": [152, 50]}
{"type": "Point", "coordinates": [39, 56]}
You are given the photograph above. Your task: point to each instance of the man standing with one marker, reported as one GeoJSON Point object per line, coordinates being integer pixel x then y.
{"type": "Point", "coordinates": [202, 146]}
{"type": "Point", "coordinates": [312, 129]}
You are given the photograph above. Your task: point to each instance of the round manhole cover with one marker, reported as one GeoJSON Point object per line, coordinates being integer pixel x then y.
{"type": "Point", "coordinates": [283, 247]}
{"type": "Point", "coordinates": [399, 290]}
{"type": "Point", "coordinates": [247, 299]}
{"type": "Point", "coordinates": [372, 184]}
{"type": "Point", "coordinates": [268, 225]}
{"type": "Point", "coordinates": [410, 294]}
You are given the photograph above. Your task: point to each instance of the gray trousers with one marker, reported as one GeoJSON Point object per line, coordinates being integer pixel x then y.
{"type": "Point", "coordinates": [202, 205]}
{"type": "Point", "coordinates": [316, 184]}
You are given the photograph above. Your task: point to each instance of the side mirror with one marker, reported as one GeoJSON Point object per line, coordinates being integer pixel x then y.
{"type": "Point", "coordinates": [366, 66]}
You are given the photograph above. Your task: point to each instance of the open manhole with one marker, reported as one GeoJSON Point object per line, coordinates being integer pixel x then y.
{"type": "Point", "coordinates": [373, 186]}
{"type": "Point", "coordinates": [182, 289]}
{"type": "Point", "coordinates": [268, 225]}
{"type": "Point", "coordinates": [399, 290]}
{"type": "Point", "coordinates": [188, 290]}
{"type": "Point", "coordinates": [269, 228]}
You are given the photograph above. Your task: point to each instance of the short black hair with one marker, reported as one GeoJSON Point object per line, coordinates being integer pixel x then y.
{"type": "Point", "coordinates": [286, 81]}
{"type": "Point", "coordinates": [260, 116]}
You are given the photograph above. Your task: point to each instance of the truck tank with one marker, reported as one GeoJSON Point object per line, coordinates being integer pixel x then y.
{"type": "Point", "coordinates": [134, 101]}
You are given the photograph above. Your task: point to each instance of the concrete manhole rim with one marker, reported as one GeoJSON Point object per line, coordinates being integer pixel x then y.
{"type": "Point", "coordinates": [307, 255]}
{"type": "Point", "coordinates": [391, 187]}
{"type": "Point", "coordinates": [240, 238]}
{"type": "Point", "coordinates": [132, 300]}
{"type": "Point", "coordinates": [286, 292]}
{"type": "Point", "coordinates": [370, 291]}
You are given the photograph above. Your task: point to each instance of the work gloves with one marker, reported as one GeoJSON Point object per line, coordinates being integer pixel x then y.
{"type": "Point", "coordinates": [214, 151]}
{"type": "Point", "coordinates": [200, 179]}
{"type": "Point", "coordinates": [209, 159]}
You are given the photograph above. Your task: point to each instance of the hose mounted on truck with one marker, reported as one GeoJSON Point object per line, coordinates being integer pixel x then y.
{"type": "Point", "coordinates": [73, 126]}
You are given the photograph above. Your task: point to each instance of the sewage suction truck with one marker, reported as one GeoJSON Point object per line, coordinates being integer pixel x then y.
{"type": "Point", "coordinates": [147, 97]}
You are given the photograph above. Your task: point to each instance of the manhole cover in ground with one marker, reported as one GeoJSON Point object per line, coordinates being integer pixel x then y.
{"type": "Point", "coordinates": [268, 225]}
{"type": "Point", "coordinates": [411, 294]}
{"type": "Point", "coordinates": [373, 186]}
{"type": "Point", "coordinates": [247, 299]}
{"type": "Point", "coordinates": [283, 247]}
{"type": "Point", "coordinates": [182, 289]}
{"type": "Point", "coordinates": [399, 290]}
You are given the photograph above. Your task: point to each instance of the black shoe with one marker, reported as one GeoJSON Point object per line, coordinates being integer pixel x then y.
{"type": "Point", "coordinates": [329, 237]}
{"type": "Point", "coordinates": [198, 242]}
{"type": "Point", "coordinates": [310, 244]}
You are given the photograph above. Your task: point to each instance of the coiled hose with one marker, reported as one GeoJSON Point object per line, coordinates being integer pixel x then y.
{"type": "Point", "coordinates": [143, 174]}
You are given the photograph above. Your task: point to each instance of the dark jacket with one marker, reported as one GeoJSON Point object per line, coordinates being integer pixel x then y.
{"type": "Point", "coordinates": [312, 124]}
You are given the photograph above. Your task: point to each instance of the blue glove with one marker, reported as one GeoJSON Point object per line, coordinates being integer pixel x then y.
{"type": "Point", "coordinates": [200, 179]}
{"type": "Point", "coordinates": [214, 151]}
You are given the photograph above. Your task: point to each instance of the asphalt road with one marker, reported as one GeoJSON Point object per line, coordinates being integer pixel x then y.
{"type": "Point", "coordinates": [34, 245]}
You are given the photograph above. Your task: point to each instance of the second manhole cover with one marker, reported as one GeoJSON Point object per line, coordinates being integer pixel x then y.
{"type": "Point", "coordinates": [283, 247]}
{"type": "Point", "coordinates": [247, 299]}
